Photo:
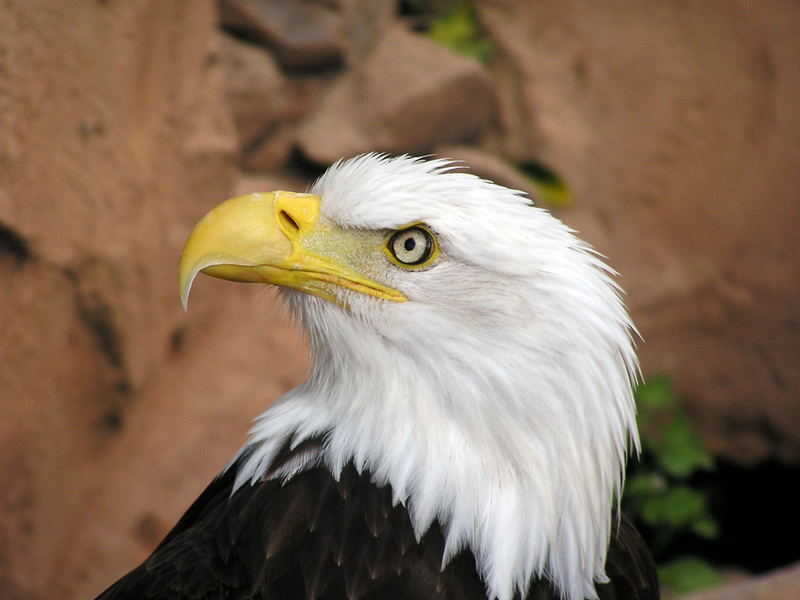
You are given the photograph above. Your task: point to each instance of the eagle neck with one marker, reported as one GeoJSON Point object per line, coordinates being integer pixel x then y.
{"type": "Point", "coordinates": [521, 470]}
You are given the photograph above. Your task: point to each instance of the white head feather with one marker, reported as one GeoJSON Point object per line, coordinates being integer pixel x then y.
{"type": "Point", "coordinates": [497, 400]}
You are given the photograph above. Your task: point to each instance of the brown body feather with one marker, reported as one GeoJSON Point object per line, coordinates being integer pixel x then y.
{"type": "Point", "coordinates": [313, 537]}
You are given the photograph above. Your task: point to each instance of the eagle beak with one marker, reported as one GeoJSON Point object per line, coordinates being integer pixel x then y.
{"type": "Point", "coordinates": [262, 238]}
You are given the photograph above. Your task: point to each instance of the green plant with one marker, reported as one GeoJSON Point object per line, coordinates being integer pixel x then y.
{"type": "Point", "coordinates": [458, 29]}
{"type": "Point", "coordinates": [660, 492]}
{"type": "Point", "coordinates": [551, 188]}
{"type": "Point", "coordinates": [687, 574]}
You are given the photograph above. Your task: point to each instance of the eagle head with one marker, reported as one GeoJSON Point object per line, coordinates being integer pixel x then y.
{"type": "Point", "coordinates": [469, 351]}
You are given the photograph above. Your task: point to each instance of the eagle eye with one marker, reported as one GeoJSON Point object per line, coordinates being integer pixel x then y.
{"type": "Point", "coordinates": [412, 247]}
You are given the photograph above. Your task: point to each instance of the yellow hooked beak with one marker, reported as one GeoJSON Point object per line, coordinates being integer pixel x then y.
{"type": "Point", "coordinates": [264, 238]}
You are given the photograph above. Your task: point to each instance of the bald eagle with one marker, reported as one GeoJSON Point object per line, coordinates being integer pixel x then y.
{"type": "Point", "coordinates": [465, 425]}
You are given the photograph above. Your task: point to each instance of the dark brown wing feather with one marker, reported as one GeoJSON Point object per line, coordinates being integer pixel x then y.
{"type": "Point", "coordinates": [629, 566]}
{"type": "Point", "coordinates": [315, 538]}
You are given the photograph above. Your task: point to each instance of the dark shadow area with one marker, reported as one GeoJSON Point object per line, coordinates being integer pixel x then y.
{"type": "Point", "coordinates": [13, 245]}
{"type": "Point", "coordinates": [756, 509]}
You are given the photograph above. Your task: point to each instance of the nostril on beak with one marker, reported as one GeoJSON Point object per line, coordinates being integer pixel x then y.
{"type": "Point", "coordinates": [287, 222]}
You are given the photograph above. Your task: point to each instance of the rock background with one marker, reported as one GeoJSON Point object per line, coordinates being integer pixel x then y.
{"type": "Point", "coordinates": [114, 139]}
{"type": "Point", "coordinates": [675, 126]}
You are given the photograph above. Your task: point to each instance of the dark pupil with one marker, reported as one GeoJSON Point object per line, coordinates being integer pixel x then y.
{"type": "Point", "coordinates": [409, 244]}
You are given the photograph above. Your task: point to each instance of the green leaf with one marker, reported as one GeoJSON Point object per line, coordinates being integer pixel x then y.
{"type": "Point", "coordinates": [459, 31]}
{"type": "Point", "coordinates": [706, 527]}
{"type": "Point", "coordinates": [679, 507]}
{"type": "Point", "coordinates": [681, 452]}
{"type": "Point", "coordinates": [645, 484]}
{"type": "Point", "coordinates": [656, 393]}
{"type": "Point", "coordinates": [416, 6]}
{"type": "Point", "coordinates": [688, 574]}
{"type": "Point", "coordinates": [552, 190]}
{"type": "Point", "coordinates": [658, 491]}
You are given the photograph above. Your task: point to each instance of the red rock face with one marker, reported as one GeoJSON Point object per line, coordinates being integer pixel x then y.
{"type": "Point", "coordinates": [114, 139]}
{"type": "Point", "coordinates": [676, 128]}
{"type": "Point", "coordinates": [407, 95]}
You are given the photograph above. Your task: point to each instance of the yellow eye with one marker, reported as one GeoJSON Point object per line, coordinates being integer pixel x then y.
{"type": "Point", "coordinates": [412, 247]}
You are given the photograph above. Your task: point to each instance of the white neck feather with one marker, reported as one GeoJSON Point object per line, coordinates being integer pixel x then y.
{"type": "Point", "coordinates": [520, 469]}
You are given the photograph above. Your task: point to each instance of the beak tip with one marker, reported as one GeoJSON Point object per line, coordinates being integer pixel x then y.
{"type": "Point", "coordinates": [184, 289]}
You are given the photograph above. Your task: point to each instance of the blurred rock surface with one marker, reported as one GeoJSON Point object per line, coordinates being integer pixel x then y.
{"type": "Point", "coordinates": [366, 23]}
{"type": "Point", "coordinates": [783, 584]}
{"type": "Point", "coordinates": [258, 94]}
{"type": "Point", "coordinates": [302, 35]}
{"type": "Point", "coordinates": [408, 95]}
{"type": "Point", "coordinates": [114, 140]}
{"type": "Point", "coordinates": [676, 127]}
{"type": "Point", "coordinates": [271, 151]}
